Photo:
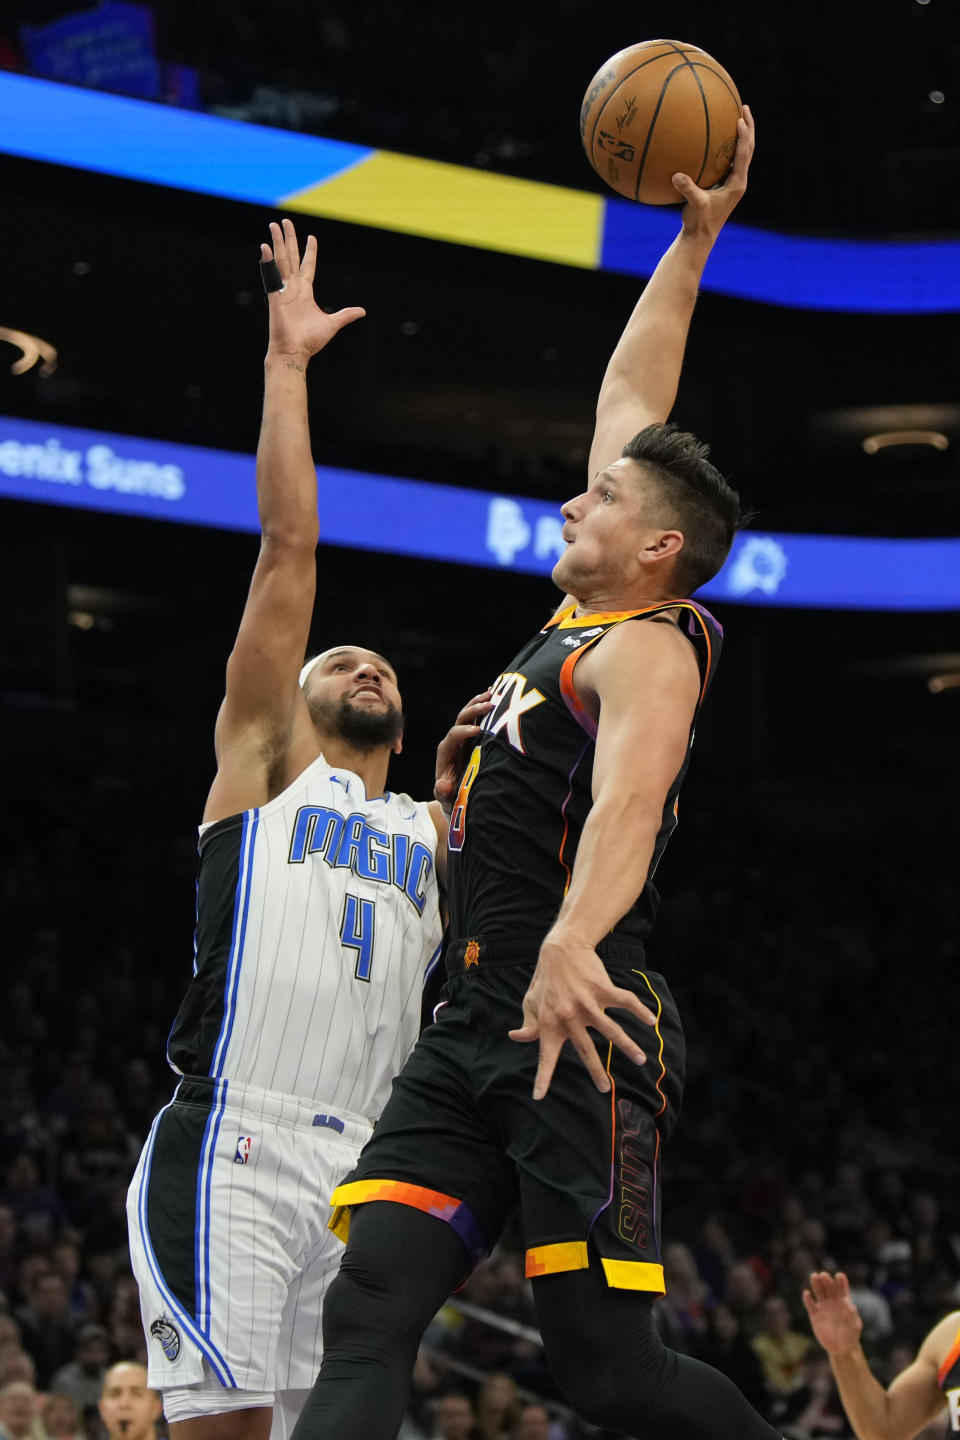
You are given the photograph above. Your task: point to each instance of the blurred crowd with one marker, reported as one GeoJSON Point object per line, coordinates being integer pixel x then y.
{"type": "Point", "coordinates": [818, 1128]}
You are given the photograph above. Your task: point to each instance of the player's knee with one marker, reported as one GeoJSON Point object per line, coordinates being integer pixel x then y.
{"type": "Point", "coordinates": [365, 1310]}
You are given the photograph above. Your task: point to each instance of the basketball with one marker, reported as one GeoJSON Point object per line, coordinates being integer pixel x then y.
{"type": "Point", "coordinates": [656, 108]}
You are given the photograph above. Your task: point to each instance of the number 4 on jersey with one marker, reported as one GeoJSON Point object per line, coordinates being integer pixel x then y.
{"type": "Point", "coordinates": [356, 932]}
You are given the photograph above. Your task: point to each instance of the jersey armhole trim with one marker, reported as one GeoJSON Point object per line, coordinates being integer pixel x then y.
{"type": "Point", "coordinates": [953, 1355]}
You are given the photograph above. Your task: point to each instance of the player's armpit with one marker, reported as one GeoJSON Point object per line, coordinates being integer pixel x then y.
{"type": "Point", "coordinates": [915, 1398]}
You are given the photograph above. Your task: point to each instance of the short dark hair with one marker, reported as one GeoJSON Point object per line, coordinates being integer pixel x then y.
{"type": "Point", "coordinates": [701, 503]}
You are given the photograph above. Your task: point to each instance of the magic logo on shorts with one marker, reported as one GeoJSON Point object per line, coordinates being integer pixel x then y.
{"type": "Point", "coordinates": [634, 1178]}
{"type": "Point", "coordinates": [168, 1335]}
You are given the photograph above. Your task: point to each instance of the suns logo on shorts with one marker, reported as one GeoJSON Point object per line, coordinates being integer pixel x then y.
{"type": "Point", "coordinates": [168, 1335]}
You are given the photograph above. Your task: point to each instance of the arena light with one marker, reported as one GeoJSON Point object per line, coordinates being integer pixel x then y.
{"type": "Point", "coordinates": [887, 439]}
{"type": "Point", "coordinates": [32, 349]}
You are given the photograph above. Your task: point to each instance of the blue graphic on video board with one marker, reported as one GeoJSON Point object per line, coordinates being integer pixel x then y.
{"type": "Point", "coordinates": [153, 479]}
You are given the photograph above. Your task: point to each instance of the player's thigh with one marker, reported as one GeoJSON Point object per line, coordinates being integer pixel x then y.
{"type": "Point", "coordinates": [210, 1243]}
{"type": "Point", "coordinates": [589, 1162]}
{"type": "Point", "coordinates": [286, 1412]}
{"type": "Point", "coordinates": [435, 1148]}
{"type": "Point", "coordinates": [252, 1423]}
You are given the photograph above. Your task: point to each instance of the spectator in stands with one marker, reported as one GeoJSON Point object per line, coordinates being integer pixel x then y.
{"type": "Point", "coordinates": [17, 1368]}
{"type": "Point", "coordinates": [29, 1200]}
{"type": "Point", "coordinates": [8, 1250]}
{"type": "Point", "coordinates": [819, 1411]}
{"type": "Point", "coordinates": [874, 1310]}
{"type": "Point", "coordinates": [65, 1259]}
{"type": "Point", "coordinates": [48, 1331]}
{"type": "Point", "coordinates": [533, 1423]}
{"type": "Point", "coordinates": [453, 1417]}
{"type": "Point", "coordinates": [9, 1336]}
{"type": "Point", "coordinates": [61, 1418]}
{"type": "Point", "coordinates": [19, 1412]}
{"type": "Point", "coordinates": [498, 1407]}
{"type": "Point", "coordinates": [128, 1408]}
{"type": "Point", "coordinates": [780, 1350]}
{"type": "Point", "coordinates": [727, 1348]}
{"type": "Point", "coordinates": [82, 1377]}
{"type": "Point", "coordinates": [682, 1311]}
{"type": "Point", "coordinates": [744, 1294]}
{"type": "Point", "coordinates": [125, 1324]}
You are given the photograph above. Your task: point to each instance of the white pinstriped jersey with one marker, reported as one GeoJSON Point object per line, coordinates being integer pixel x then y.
{"type": "Point", "coordinates": [317, 920]}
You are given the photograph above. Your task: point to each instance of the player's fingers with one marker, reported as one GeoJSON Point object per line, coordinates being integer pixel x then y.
{"type": "Point", "coordinates": [479, 705]}
{"type": "Point", "coordinates": [810, 1303]}
{"type": "Point", "coordinates": [292, 248]}
{"type": "Point", "coordinates": [616, 1034]}
{"type": "Point", "coordinates": [822, 1285]}
{"type": "Point", "coordinates": [587, 1051]}
{"type": "Point", "coordinates": [842, 1285]}
{"type": "Point", "coordinates": [339, 318]}
{"type": "Point", "coordinates": [550, 1047]}
{"type": "Point", "coordinates": [278, 245]}
{"type": "Point", "coordinates": [617, 999]}
{"type": "Point", "coordinates": [685, 186]}
{"type": "Point", "coordinates": [308, 265]}
{"type": "Point", "coordinates": [529, 1030]}
{"type": "Point", "coordinates": [744, 151]}
{"type": "Point", "coordinates": [266, 254]}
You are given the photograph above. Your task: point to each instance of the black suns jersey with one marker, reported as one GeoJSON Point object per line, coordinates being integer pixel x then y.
{"type": "Point", "coordinates": [950, 1383]}
{"type": "Point", "coordinates": [526, 792]}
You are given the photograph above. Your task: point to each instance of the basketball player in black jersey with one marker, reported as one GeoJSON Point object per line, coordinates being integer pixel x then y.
{"type": "Point", "coordinates": [560, 818]}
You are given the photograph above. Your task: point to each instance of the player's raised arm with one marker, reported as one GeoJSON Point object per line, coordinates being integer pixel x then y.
{"type": "Point", "coordinates": [263, 701]}
{"type": "Point", "coordinates": [640, 383]}
{"type": "Point", "coordinates": [913, 1400]}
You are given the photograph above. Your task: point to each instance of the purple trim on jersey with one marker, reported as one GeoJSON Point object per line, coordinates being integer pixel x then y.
{"type": "Point", "coordinates": [702, 610]}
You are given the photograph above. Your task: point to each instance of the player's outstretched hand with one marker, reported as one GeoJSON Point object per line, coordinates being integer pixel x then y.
{"type": "Point", "coordinates": [453, 750]}
{"type": "Point", "coordinates": [569, 995]}
{"type": "Point", "coordinates": [297, 324]}
{"type": "Point", "coordinates": [834, 1318]}
{"type": "Point", "coordinates": [706, 210]}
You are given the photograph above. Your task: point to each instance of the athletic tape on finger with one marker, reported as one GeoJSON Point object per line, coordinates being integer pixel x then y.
{"type": "Point", "coordinates": [270, 275]}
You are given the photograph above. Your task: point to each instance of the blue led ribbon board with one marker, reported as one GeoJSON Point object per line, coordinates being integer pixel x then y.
{"type": "Point", "coordinates": [208, 154]}
{"type": "Point", "coordinates": [155, 480]}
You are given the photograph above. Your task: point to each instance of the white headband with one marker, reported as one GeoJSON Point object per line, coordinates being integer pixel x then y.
{"type": "Point", "coordinates": [306, 670]}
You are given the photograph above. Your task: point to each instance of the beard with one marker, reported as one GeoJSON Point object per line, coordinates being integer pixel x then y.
{"type": "Point", "coordinates": [365, 729]}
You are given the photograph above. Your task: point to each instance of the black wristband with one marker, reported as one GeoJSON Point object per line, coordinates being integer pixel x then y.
{"type": "Point", "coordinates": [270, 275]}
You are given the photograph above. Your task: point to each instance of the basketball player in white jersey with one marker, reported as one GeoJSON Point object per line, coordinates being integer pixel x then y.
{"type": "Point", "coordinates": [317, 920]}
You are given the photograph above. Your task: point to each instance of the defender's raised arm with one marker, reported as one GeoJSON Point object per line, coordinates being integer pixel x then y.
{"type": "Point", "coordinates": [264, 703]}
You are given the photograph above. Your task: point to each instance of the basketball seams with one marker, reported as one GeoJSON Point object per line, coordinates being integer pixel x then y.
{"type": "Point", "coordinates": [725, 81]}
{"type": "Point", "coordinates": [706, 120]}
{"type": "Point", "coordinates": [651, 60]}
{"type": "Point", "coordinates": [679, 57]}
{"type": "Point", "coordinates": [650, 129]}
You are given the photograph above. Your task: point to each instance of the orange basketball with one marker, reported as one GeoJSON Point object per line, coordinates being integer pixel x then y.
{"type": "Point", "coordinates": [656, 108]}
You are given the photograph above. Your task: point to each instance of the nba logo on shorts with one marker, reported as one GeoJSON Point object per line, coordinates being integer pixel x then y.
{"type": "Point", "coordinates": [244, 1144]}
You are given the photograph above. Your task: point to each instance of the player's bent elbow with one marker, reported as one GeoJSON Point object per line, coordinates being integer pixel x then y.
{"type": "Point", "coordinates": [290, 539]}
